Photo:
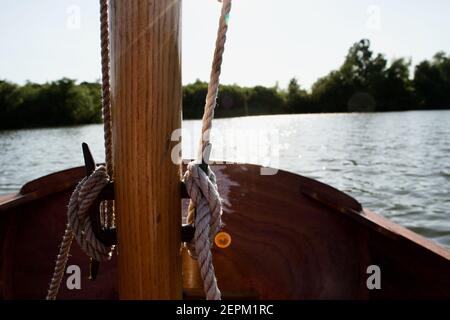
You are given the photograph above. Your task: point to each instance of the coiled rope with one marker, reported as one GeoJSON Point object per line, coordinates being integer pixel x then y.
{"type": "Point", "coordinates": [79, 224]}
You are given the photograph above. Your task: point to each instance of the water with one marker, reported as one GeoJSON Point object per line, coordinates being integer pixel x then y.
{"type": "Point", "coordinates": [396, 164]}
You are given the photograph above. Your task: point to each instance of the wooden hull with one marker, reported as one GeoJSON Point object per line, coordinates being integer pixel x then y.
{"type": "Point", "coordinates": [292, 238]}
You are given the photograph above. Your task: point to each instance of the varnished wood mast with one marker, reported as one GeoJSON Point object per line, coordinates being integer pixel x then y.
{"type": "Point", "coordinates": [146, 106]}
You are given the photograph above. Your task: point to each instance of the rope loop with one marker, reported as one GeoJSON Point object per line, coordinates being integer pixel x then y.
{"type": "Point", "coordinates": [203, 191]}
{"type": "Point", "coordinates": [204, 194]}
{"type": "Point", "coordinates": [79, 227]}
{"type": "Point", "coordinates": [78, 214]}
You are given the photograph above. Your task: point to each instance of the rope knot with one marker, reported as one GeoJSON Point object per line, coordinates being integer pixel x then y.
{"type": "Point", "coordinates": [204, 194]}
{"type": "Point", "coordinates": [202, 189]}
{"type": "Point", "coordinates": [79, 221]}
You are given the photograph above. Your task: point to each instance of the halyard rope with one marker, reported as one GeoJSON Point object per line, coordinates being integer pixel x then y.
{"type": "Point", "coordinates": [79, 224]}
{"type": "Point", "coordinates": [106, 87]}
{"type": "Point", "coordinates": [213, 87]}
{"type": "Point", "coordinates": [201, 186]}
{"type": "Point", "coordinates": [107, 208]}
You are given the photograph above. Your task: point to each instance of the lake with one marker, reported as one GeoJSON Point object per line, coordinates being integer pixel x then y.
{"type": "Point", "coordinates": [397, 164]}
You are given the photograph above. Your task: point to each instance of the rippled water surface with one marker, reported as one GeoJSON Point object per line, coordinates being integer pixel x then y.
{"type": "Point", "coordinates": [397, 164]}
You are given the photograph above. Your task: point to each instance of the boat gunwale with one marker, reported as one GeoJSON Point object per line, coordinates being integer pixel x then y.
{"type": "Point", "coordinates": [68, 178]}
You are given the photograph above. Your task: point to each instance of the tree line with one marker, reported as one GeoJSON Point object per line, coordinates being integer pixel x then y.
{"type": "Point", "coordinates": [365, 82]}
{"type": "Point", "coordinates": [58, 103]}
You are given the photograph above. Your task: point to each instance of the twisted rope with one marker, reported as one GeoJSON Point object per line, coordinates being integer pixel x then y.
{"type": "Point", "coordinates": [79, 224]}
{"type": "Point", "coordinates": [61, 262]}
{"type": "Point", "coordinates": [202, 189]}
{"type": "Point", "coordinates": [79, 227]}
{"type": "Point", "coordinates": [78, 214]}
{"type": "Point", "coordinates": [213, 87]}
{"type": "Point", "coordinates": [201, 186]}
{"type": "Point", "coordinates": [107, 209]}
{"type": "Point", "coordinates": [106, 87]}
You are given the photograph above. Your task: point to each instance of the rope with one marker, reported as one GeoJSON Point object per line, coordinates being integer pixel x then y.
{"type": "Point", "coordinates": [106, 87]}
{"type": "Point", "coordinates": [79, 224]}
{"type": "Point", "coordinates": [107, 209]}
{"type": "Point", "coordinates": [213, 87]}
{"type": "Point", "coordinates": [78, 214]}
{"type": "Point", "coordinates": [79, 227]}
{"type": "Point", "coordinates": [201, 185]}
{"type": "Point", "coordinates": [61, 262]}
{"type": "Point", "coordinates": [202, 189]}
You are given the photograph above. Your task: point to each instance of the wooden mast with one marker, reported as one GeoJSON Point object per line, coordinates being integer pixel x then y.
{"type": "Point", "coordinates": [146, 106]}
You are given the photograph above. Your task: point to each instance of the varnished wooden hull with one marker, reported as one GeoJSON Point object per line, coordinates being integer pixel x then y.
{"type": "Point", "coordinates": [292, 238]}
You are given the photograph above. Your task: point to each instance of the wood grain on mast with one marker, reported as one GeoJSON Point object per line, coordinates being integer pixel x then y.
{"type": "Point", "coordinates": [146, 105]}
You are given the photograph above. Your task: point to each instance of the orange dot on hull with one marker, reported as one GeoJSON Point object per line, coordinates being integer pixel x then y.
{"type": "Point", "coordinates": [222, 240]}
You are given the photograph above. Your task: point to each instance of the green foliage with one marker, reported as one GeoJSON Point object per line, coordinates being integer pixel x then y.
{"type": "Point", "coordinates": [432, 82]}
{"type": "Point", "coordinates": [58, 103]}
{"type": "Point", "coordinates": [232, 102]}
{"type": "Point", "coordinates": [364, 82]}
{"type": "Point", "coordinates": [194, 96]}
{"type": "Point", "coordinates": [262, 100]}
{"type": "Point", "coordinates": [9, 100]}
{"type": "Point", "coordinates": [297, 99]}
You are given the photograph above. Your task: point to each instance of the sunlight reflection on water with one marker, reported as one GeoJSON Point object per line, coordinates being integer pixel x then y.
{"type": "Point", "coordinates": [396, 164]}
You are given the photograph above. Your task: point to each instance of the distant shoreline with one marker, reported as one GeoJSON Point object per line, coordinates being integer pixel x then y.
{"type": "Point", "coordinates": [331, 113]}
{"type": "Point", "coordinates": [365, 82]}
{"type": "Point", "coordinates": [231, 117]}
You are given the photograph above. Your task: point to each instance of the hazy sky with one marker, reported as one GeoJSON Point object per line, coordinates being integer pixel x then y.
{"type": "Point", "coordinates": [269, 40]}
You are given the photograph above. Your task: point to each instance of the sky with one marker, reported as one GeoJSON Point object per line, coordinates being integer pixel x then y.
{"type": "Point", "coordinates": [269, 41]}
